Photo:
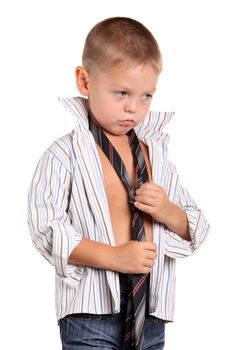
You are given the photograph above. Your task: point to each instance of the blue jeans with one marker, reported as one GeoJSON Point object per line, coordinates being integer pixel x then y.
{"type": "Point", "coordinates": [88, 331]}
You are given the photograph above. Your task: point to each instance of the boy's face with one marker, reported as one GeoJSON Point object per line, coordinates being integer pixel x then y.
{"type": "Point", "coordinates": [119, 99]}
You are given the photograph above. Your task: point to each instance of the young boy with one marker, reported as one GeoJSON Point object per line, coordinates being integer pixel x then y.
{"type": "Point", "coordinates": [105, 205]}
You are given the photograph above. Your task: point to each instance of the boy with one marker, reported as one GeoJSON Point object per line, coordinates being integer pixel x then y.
{"type": "Point", "coordinates": [105, 205]}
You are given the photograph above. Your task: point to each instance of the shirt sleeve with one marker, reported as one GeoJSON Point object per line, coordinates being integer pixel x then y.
{"type": "Point", "coordinates": [50, 226]}
{"type": "Point", "coordinates": [177, 247]}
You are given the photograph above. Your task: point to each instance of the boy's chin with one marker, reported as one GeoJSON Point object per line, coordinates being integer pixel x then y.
{"type": "Point", "coordinates": [117, 132]}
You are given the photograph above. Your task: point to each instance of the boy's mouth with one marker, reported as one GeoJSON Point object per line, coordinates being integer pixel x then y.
{"type": "Point", "coordinates": [128, 122]}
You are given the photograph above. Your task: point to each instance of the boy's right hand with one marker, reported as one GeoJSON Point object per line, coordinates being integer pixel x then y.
{"type": "Point", "coordinates": [135, 257]}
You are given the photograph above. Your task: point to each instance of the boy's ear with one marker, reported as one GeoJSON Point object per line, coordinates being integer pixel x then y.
{"type": "Point", "coordinates": [82, 80]}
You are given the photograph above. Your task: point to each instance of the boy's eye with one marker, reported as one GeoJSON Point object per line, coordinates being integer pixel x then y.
{"type": "Point", "coordinates": [147, 96]}
{"type": "Point", "coordinates": [121, 93]}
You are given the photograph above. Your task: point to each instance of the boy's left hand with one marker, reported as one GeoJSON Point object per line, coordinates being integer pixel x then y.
{"type": "Point", "coordinates": [152, 199]}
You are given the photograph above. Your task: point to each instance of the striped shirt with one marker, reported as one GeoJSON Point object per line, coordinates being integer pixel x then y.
{"type": "Point", "coordinates": [67, 201]}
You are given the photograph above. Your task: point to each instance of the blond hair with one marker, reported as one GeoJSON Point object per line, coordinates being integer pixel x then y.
{"type": "Point", "coordinates": [118, 40]}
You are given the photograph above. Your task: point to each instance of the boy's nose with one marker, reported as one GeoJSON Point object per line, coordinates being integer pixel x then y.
{"type": "Point", "coordinates": [131, 107]}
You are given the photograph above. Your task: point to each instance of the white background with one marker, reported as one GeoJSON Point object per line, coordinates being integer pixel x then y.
{"type": "Point", "coordinates": [41, 44]}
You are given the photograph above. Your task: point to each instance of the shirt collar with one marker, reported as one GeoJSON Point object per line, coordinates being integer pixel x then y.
{"type": "Point", "coordinates": [151, 128]}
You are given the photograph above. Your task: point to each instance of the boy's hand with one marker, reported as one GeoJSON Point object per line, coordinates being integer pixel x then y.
{"type": "Point", "coordinates": [135, 257]}
{"type": "Point", "coordinates": [152, 199]}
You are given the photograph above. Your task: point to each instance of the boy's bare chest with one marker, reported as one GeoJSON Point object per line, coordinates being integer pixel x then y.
{"type": "Point", "coordinates": [117, 194]}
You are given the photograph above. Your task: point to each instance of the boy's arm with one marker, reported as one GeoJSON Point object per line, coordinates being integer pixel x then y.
{"type": "Point", "coordinates": [177, 221]}
{"type": "Point", "coordinates": [132, 257]}
{"type": "Point", "coordinates": [177, 246]}
{"type": "Point", "coordinates": [198, 227]}
{"type": "Point", "coordinates": [50, 226]}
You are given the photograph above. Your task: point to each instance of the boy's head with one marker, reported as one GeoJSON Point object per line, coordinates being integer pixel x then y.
{"type": "Point", "coordinates": [120, 40]}
{"type": "Point", "coordinates": [121, 66]}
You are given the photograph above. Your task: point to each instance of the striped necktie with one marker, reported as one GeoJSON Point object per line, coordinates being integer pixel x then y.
{"type": "Point", "coordinates": [137, 283]}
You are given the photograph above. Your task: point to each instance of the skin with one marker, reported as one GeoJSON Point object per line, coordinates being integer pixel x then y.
{"type": "Point", "coordinates": [152, 199]}
{"type": "Point", "coordinates": [119, 99]}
